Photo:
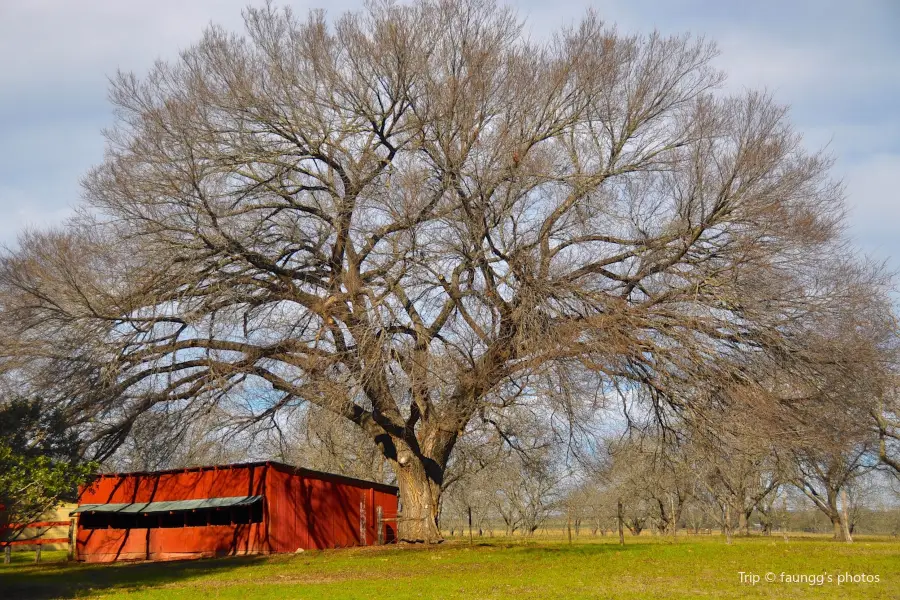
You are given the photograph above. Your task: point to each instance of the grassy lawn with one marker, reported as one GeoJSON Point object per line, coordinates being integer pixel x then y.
{"type": "Point", "coordinates": [649, 567]}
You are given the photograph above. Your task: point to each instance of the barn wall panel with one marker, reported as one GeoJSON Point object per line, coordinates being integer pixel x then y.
{"type": "Point", "coordinates": [389, 505]}
{"type": "Point", "coordinates": [286, 506]}
{"type": "Point", "coordinates": [187, 485]}
{"type": "Point", "coordinates": [346, 515]}
{"type": "Point", "coordinates": [319, 517]}
{"type": "Point", "coordinates": [103, 545]}
{"type": "Point", "coordinates": [218, 539]}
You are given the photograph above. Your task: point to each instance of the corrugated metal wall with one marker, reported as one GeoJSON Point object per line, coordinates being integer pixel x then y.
{"type": "Point", "coordinates": [99, 545]}
{"type": "Point", "coordinates": [302, 509]}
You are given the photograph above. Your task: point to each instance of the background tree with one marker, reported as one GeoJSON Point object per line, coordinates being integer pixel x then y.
{"type": "Point", "coordinates": [416, 217]}
{"type": "Point", "coordinates": [736, 463]}
{"type": "Point", "coordinates": [886, 418]}
{"type": "Point", "coordinates": [825, 476]}
{"type": "Point", "coordinates": [528, 492]}
{"type": "Point", "coordinates": [772, 510]}
{"type": "Point", "coordinates": [508, 468]}
{"type": "Point", "coordinates": [162, 439]}
{"type": "Point", "coordinates": [39, 462]}
{"type": "Point", "coordinates": [857, 348]}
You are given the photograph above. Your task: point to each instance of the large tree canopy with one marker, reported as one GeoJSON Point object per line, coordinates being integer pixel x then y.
{"type": "Point", "coordinates": [416, 216]}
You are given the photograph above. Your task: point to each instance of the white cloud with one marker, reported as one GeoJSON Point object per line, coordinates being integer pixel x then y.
{"type": "Point", "coordinates": [25, 210]}
{"type": "Point", "coordinates": [87, 39]}
{"type": "Point", "coordinates": [873, 187]}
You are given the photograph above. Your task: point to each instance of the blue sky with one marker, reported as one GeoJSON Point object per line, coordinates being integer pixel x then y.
{"type": "Point", "coordinates": [837, 64]}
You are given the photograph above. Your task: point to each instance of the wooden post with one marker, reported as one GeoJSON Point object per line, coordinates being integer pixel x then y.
{"type": "Point", "coordinates": [37, 554]}
{"type": "Point", "coordinates": [379, 521]}
{"type": "Point", "coordinates": [72, 540]}
{"type": "Point", "coordinates": [470, 527]}
{"type": "Point", "coordinates": [620, 520]}
{"type": "Point", "coordinates": [7, 557]}
{"type": "Point", "coordinates": [362, 522]}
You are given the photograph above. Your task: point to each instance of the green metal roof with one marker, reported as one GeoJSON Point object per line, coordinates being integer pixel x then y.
{"type": "Point", "coordinates": [168, 506]}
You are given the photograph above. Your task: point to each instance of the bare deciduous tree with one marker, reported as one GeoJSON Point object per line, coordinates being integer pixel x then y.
{"type": "Point", "coordinates": [824, 477]}
{"type": "Point", "coordinates": [416, 216]}
{"type": "Point", "coordinates": [887, 425]}
{"type": "Point", "coordinates": [527, 492]}
{"type": "Point", "coordinates": [738, 461]}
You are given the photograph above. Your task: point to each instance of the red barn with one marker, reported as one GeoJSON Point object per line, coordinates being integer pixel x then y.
{"type": "Point", "coordinates": [254, 508]}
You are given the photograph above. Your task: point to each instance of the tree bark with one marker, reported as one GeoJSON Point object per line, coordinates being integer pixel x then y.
{"type": "Point", "coordinates": [727, 523]}
{"type": "Point", "coordinates": [420, 497]}
{"type": "Point", "coordinates": [845, 517]}
{"type": "Point", "coordinates": [744, 523]}
{"type": "Point", "coordinates": [619, 520]}
{"type": "Point", "coordinates": [674, 517]}
{"type": "Point", "coordinates": [836, 525]}
{"type": "Point", "coordinates": [841, 533]}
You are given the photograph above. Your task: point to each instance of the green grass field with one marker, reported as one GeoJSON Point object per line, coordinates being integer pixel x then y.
{"type": "Point", "coordinates": [691, 567]}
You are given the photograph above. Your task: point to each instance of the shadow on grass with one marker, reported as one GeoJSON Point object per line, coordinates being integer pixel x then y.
{"type": "Point", "coordinates": [70, 580]}
{"type": "Point", "coordinates": [582, 549]}
{"type": "Point", "coordinates": [555, 547]}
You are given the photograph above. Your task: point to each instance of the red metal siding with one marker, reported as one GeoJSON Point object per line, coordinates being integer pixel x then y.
{"type": "Point", "coordinates": [102, 545]}
{"type": "Point", "coordinates": [302, 509]}
{"type": "Point", "coordinates": [287, 512]}
{"type": "Point", "coordinates": [389, 504]}
{"type": "Point", "coordinates": [179, 485]}
{"type": "Point", "coordinates": [315, 512]}
{"type": "Point", "coordinates": [107, 545]}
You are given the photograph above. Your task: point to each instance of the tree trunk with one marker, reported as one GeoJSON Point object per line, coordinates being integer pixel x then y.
{"type": "Point", "coordinates": [727, 524]}
{"type": "Point", "coordinates": [420, 499]}
{"type": "Point", "coordinates": [744, 523]}
{"type": "Point", "coordinates": [619, 519]}
{"type": "Point", "coordinates": [834, 513]}
{"type": "Point", "coordinates": [845, 517]}
{"type": "Point", "coordinates": [836, 525]}
{"type": "Point", "coordinates": [673, 516]}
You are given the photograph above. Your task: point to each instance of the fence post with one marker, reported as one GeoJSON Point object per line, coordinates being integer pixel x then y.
{"type": "Point", "coordinates": [6, 555]}
{"type": "Point", "coordinates": [620, 520]}
{"type": "Point", "coordinates": [72, 539]}
{"type": "Point", "coordinates": [37, 554]}
{"type": "Point", "coordinates": [362, 523]}
{"type": "Point", "coordinates": [379, 522]}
